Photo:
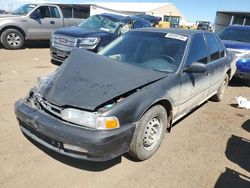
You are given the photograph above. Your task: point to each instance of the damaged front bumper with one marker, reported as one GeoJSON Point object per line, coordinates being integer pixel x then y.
{"type": "Point", "coordinates": [71, 140]}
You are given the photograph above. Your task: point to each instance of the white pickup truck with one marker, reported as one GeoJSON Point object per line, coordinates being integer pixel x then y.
{"type": "Point", "coordinates": [36, 22]}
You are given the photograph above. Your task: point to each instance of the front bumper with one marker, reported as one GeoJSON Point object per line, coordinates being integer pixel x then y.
{"type": "Point", "coordinates": [58, 55]}
{"type": "Point", "coordinates": [242, 75]}
{"type": "Point", "coordinates": [62, 55]}
{"type": "Point", "coordinates": [53, 133]}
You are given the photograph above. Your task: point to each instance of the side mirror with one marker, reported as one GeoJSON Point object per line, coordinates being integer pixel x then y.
{"type": "Point", "coordinates": [196, 67]}
{"type": "Point", "coordinates": [36, 15]}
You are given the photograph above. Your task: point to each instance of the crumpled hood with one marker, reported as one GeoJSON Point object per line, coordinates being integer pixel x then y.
{"type": "Point", "coordinates": [87, 80]}
{"type": "Point", "coordinates": [236, 45]}
{"type": "Point", "coordinates": [79, 32]}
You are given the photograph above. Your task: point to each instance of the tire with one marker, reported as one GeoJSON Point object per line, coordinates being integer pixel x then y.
{"type": "Point", "coordinates": [220, 93]}
{"type": "Point", "coordinates": [149, 133]}
{"type": "Point", "coordinates": [12, 39]}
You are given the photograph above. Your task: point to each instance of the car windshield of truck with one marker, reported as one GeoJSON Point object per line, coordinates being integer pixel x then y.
{"type": "Point", "coordinates": [99, 22]}
{"type": "Point", "coordinates": [24, 10]}
{"type": "Point", "coordinates": [150, 50]}
{"type": "Point", "coordinates": [236, 34]}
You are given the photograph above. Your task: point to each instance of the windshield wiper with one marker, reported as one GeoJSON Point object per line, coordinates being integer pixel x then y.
{"type": "Point", "coordinates": [163, 70]}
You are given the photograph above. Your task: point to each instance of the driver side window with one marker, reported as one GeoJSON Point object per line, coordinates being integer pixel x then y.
{"type": "Point", "coordinates": [197, 50]}
{"type": "Point", "coordinates": [44, 12]}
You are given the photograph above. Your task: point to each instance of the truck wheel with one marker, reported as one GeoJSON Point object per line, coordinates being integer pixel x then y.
{"type": "Point", "coordinates": [149, 133]}
{"type": "Point", "coordinates": [220, 93]}
{"type": "Point", "coordinates": [12, 39]}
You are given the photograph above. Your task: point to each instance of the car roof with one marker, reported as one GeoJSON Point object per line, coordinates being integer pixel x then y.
{"type": "Point", "coordinates": [114, 16]}
{"type": "Point", "coordinates": [186, 32]}
{"type": "Point", "coordinates": [121, 18]}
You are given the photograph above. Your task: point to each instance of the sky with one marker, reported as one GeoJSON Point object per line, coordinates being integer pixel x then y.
{"type": "Point", "coordinates": [191, 9]}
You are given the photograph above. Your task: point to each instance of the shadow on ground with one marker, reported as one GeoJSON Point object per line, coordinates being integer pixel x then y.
{"type": "Point", "coordinates": [237, 82]}
{"type": "Point", "coordinates": [246, 127]}
{"type": "Point", "coordinates": [238, 151]}
{"type": "Point", "coordinates": [37, 44]}
{"type": "Point", "coordinates": [34, 44]}
{"type": "Point", "coordinates": [232, 179]}
{"type": "Point", "coordinates": [77, 163]}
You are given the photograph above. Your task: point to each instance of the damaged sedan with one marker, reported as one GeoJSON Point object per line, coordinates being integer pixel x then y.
{"type": "Point", "coordinates": [124, 99]}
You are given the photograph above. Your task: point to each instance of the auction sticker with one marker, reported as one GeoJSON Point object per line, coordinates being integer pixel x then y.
{"type": "Point", "coordinates": [176, 36]}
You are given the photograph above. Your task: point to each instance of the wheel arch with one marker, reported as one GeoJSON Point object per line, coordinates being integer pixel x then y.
{"type": "Point", "coordinates": [167, 105]}
{"type": "Point", "coordinates": [13, 27]}
{"type": "Point", "coordinates": [229, 72]}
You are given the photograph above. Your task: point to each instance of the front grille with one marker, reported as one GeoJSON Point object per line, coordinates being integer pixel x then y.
{"type": "Point", "coordinates": [64, 43]}
{"type": "Point", "coordinates": [55, 110]}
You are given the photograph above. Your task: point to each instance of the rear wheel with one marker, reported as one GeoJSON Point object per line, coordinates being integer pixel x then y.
{"type": "Point", "coordinates": [12, 39]}
{"type": "Point", "coordinates": [221, 91]}
{"type": "Point", "coordinates": [149, 133]}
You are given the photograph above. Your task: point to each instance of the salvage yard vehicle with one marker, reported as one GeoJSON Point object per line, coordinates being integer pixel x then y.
{"type": "Point", "coordinates": [124, 99]}
{"type": "Point", "coordinates": [236, 38]}
{"type": "Point", "coordinates": [34, 22]}
{"type": "Point", "coordinates": [95, 32]}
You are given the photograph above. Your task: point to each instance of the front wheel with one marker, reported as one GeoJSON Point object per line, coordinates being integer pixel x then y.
{"type": "Point", "coordinates": [12, 39]}
{"type": "Point", "coordinates": [149, 133]}
{"type": "Point", "coordinates": [221, 91]}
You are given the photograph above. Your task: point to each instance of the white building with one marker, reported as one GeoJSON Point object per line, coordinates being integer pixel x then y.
{"type": "Point", "coordinates": [163, 10]}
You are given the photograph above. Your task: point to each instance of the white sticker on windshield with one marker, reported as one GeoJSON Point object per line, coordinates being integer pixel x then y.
{"type": "Point", "coordinates": [176, 36]}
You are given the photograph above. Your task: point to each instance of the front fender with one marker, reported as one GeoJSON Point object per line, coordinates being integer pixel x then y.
{"type": "Point", "coordinates": [20, 24]}
{"type": "Point", "coordinates": [134, 106]}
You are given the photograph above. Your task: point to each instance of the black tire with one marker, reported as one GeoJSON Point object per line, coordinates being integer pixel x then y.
{"type": "Point", "coordinates": [12, 39]}
{"type": "Point", "coordinates": [220, 93]}
{"type": "Point", "coordinates": [150, 128]}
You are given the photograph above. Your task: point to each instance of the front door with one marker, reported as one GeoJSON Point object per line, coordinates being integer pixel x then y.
{"type": "Point", "coordinates": [47, 19]}
{"type": "Point", "coordinates": [194, 86]}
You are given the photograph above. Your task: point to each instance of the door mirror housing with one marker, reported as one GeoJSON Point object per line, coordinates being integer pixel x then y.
{"type": "Point", "coordinates": [196, 67]}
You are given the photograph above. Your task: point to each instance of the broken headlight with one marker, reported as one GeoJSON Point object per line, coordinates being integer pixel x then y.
{"type": "Point", "coordinates": [88, 119]}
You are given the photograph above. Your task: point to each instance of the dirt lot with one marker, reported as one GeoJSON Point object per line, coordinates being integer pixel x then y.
{"type": "Point", "coordinates": [208, 148]}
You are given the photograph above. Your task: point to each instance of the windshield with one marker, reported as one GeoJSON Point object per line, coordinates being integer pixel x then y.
{"type": "Point", "coordinates": [236, 34]}
{"type": "Point", "coordinates": [99, 22]}
{"type": "Point", "coordinates": [148, 50]}
{"type": "Point", "coordinates": [24, 10]}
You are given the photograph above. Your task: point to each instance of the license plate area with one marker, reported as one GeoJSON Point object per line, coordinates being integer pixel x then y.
{"type": "Point", "coordinates": [61, 53]}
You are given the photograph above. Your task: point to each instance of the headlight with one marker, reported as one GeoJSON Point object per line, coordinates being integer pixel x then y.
{"type": "Point", "coordinates": [52, 39]}
{"type": "Point", "coordinates": [89, 119]}
{"type": "Point", "coordinates": [90, 41]}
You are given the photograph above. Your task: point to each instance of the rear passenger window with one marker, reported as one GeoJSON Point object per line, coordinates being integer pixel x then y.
{"type": "Point", "coordinates": [54, 12]}
{"type": "Point", "coordinates": [213, 47]}
{"type": "Point", "coordinates": [221, 47]}
{"type": "Point", "coordinates": [198, 50]}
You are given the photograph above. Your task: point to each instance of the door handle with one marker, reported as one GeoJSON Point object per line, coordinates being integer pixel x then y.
{"type": "Point", "coordinates": [52, 22]}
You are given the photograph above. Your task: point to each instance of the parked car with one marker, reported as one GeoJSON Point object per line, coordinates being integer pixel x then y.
{"type": "Point", "coordinates": [95, 32]}
{"type": "Point", "coordinates": [2, 11]}
{"type": "Point", "coordinates": [203, 25]}
{"type": "Point", "coordinates": [236, 38]}
{"type": "Point", "coordinates": [32, 22]}
{"type": "Point", "coordinates": [99, 106]}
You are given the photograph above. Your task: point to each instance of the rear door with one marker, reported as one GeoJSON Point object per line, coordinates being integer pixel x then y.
{"type": "Point", "coordinates": [194, 86]}
{"type": "Point", "coordinates": [216, 62]}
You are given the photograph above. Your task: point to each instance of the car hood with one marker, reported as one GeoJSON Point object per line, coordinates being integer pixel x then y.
{"type": "Point", "coordinates": [6, 16]}
{"type": "Point", "coordinates": [76, 31]}
{"type": "Point", "coordinates": [87, 80]}
{"type": "Point", "coordinates": [236, 44]}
